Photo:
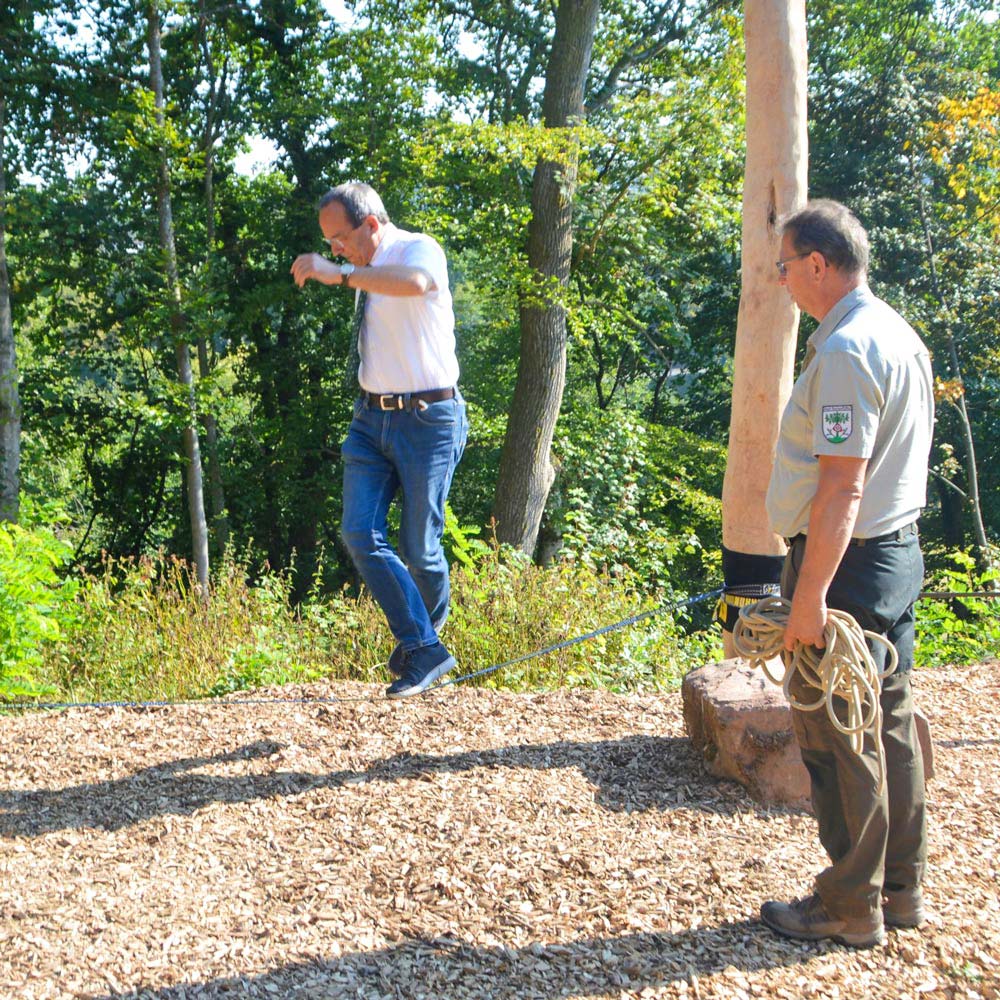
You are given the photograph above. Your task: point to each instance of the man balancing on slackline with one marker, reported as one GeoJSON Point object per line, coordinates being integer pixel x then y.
{"type": "Point", "coordinates": [409, 425]}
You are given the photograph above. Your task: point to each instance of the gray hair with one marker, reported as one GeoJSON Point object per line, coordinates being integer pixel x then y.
{"type": "Point", "coordinates": [358, 202]}
{"type": "Point", "coordinates": [833, 230]}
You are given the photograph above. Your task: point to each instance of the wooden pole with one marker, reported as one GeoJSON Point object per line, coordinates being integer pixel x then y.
{"type": "Point", "coordinates": [775, 183]}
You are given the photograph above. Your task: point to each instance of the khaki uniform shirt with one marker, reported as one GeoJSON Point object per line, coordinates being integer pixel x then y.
{"type": "Point", "coordinates": [866, 391]}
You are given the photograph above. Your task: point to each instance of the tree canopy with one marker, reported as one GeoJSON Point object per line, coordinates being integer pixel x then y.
{"type": "Point", "coordinates": [445, 107]}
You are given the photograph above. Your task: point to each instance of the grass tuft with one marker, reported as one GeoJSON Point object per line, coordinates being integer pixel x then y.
{"type": "Point", "coordinates": [139, 631]}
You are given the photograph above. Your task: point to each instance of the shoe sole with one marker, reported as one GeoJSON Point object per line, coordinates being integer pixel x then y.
{"type": "Point", "coordinates": [439, 671]}
{"type": "Point", "coordinates": [850, 940]}
{"type": "Point", "coordinates": [904, 923]}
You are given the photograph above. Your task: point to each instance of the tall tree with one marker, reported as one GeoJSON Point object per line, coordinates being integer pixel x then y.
{"type": "Point", "coordinates": [26, 99]}
{"type": "Point", "coordinates": [885, 84]}
{"type": "Point", "coordinates": [774, 184]}
{"type": "Point", "coordinates": [36, 100]}
{"type": "Point", "coordinates": [217, 100]}
{"type": "Point", "coordinates": [640, 36]}
{"type": "Point", "coordinates": [10, 402]}
{"type": "Point", "coordinates": [192, 451]}
{"type": "Point", "coordinates": [526, 471]}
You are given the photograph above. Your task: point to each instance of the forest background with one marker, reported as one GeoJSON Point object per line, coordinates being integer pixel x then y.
{"type": "Point", "coordinates": [171, 405]}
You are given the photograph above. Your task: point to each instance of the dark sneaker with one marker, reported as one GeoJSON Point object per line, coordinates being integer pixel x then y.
{"type": "Point", "coordinates": [903, 907]}
{"type": "Point", "coordinates": [397, 661]}
{"type": "Point", "coordinates": [422, 668]}
{"type": "Point", "coordinates": [397, 658]}
{"type": "Point", "coordinates": [808, 920]}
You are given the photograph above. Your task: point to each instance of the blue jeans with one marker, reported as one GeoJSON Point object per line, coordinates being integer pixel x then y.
{"type": "Point", "coordinates": [414, 453]}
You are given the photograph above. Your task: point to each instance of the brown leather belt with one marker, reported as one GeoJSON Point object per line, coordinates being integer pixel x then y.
{"type": "Point", "coordinates": [405, 400]}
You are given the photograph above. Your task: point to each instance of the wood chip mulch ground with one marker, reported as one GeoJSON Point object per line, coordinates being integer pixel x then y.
{"type": "Point", "coordinates": [470, 844]}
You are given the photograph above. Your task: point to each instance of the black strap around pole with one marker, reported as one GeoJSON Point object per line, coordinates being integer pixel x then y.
{"type": "Point", "coordinates": [746, 578]}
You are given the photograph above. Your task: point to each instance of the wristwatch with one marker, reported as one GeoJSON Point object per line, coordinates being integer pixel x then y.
{"type": "Point", "coordinates": [346, 270]}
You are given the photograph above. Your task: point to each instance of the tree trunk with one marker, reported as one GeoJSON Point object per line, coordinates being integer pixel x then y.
{"type": "Point", "coordinates": [216, 492]}
{"type": "Point", "coordinates": [192, 453]}
{"type": "Point", "coordinates": [10, 402]}
{"type": "Point", "coordinates": [983, 555]}
{"type": "Point", "coordinates": [526, 472]}
{"type": "Point", "coordinates": [774, 184]}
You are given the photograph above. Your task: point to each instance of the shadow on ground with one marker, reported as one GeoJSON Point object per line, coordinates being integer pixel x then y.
{"type": "Point", "coordinates": [446, 968]}
{"type": "Point", "coordinates": [636, 773]}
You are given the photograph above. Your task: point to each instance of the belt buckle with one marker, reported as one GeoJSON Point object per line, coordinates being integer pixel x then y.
{"type": "Point", "coordinates": [390, 396]}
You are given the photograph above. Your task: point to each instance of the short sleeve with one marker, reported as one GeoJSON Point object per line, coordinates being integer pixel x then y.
{"type": "Point", "coordinates": [428, 255]}
{"type": "Point", "coordinates": [846, 405]}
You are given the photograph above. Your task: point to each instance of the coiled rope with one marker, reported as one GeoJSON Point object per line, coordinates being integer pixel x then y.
{"type": "Point", "coordinates": [844, 669]}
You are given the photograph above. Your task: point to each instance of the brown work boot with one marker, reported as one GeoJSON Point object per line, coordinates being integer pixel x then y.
{"type": "Point", "coordinates": [808, 920]}
{"type": "Point", "coordinates": [903, 907]}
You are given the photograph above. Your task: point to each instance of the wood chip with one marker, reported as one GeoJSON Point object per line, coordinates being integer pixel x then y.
{"type": "Point", "coordinates": [473, 844]}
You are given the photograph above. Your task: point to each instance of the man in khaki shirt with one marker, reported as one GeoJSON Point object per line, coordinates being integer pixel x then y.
{"type": "Point", "coordinates": [848, 484]}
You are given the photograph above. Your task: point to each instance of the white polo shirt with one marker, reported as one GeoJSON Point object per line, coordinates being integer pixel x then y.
{"type": "Point", "coordinates": [867, 392]}
{"type": "Point", "coordinates": [408, 341]}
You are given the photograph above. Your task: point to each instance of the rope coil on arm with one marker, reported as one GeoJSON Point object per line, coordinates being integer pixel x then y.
{"type": "Point", "coordinates": [844, 669]}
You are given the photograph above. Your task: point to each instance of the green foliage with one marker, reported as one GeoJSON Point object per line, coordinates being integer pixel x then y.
{"type": "Point", "coordinates": [634, 500]}
{"type": "Point", "coordinates": [505, 607]}
{"type": "Point", "coordinates": [959, 629]}
{"type": "Point", "coordinates": [460, 541]}
{"type": "Point", "coordinates": [903, 119]}
{"type": "Point", "coordinates": [139, 631]}
{"type": "Point", "coordinates": [439, 106]}
{"type": "Point", "coordinates": [142, 631]}
{"type": "Point", "coordinates": [653, 312]}
{"type": "Point", "coordinates": [36, 606]}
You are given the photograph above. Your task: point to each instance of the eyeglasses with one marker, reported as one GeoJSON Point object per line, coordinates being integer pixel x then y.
{"type": "Point", "coordinates": [780, 264]}
{"type": "Point", "coordinates": [338, 241]}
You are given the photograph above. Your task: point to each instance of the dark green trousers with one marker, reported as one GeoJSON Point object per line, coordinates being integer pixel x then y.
{"type": "Point", "coordinates": [873, 838]}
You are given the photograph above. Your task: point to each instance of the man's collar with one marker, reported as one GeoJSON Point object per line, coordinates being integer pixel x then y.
{"type": "Point", "coordinates": [840, 311]}
{"type": "Point", "coordinates": [387, 236]}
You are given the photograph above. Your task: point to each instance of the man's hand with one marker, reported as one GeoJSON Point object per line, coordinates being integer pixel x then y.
{"type": "Point", "coordinates": [806, 621]}
{"type": "Point", "coordinates": [317, 267]}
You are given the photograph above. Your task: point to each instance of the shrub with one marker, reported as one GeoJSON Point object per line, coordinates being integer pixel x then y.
{"type": "Point", "coordinates": [505, 607]}
{"type": "Point", "coordinates": [35, 605]}
{"type": "Point", "coordinates": [141, 632]}
{"type": "Point", "coordinates": [961, 629]}
{"type": "Point", "coordinates": [636, 499]}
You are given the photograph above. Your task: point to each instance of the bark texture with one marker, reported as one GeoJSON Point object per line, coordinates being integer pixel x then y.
{"type": "Point", "coordinates": [213, 100]}
{"type": "Point", "coordinates": [10, 401]}
{"type": "Point", "coordinates": [774, 184]}
{"type": "Point", "coordinates": [526, 472]}
{"type": "Point", "coordinates": [192, 452]}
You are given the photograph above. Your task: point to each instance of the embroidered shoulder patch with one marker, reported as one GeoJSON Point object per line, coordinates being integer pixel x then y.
{"type": "Point", "coordinates": [837, 422]}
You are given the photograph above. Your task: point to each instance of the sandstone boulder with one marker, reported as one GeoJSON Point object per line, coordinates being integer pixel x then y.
{"type": "Point", "coordinates": [742, 724]}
